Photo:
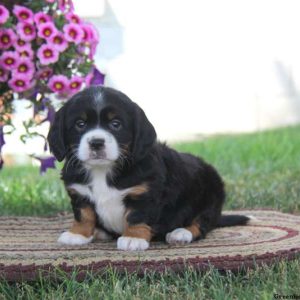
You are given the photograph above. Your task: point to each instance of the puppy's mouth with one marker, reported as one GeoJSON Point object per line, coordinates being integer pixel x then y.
{"type": "Point", "coordinates": [97, 158]}
{"type": "Point", "coordinates": [98, 154]}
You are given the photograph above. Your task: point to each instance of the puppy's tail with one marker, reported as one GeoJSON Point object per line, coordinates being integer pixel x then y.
{"type": "Point", "coordinates": [233, 220]}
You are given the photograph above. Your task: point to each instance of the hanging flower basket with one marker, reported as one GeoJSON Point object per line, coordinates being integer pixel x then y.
{"type": "Point", "coordinates": [46, 52]}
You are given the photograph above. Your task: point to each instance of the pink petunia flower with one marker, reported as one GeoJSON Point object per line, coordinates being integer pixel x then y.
{"type": "Point", "coordinates": [50, 1]}
{"type": "Point", "coordinates": [89, 77]}
{"type": "Point", "coordinates": [20, 44]}
{"type": "Point", "coordinates": [9, 60]}
{"type": "Point", "coordinates": [26, 31]}
{"type": "Point", "coordinates": [23, 14]}
{"type": "Point", "coordinates": [44, 73]}
{"type": "Point", "coordinates": [19, 83]}
{"type": "Point", "coordinates": [40, 18]}
{"type": "Point", "coordinates": [87, 32]}
{"type": "Point", "coordinates": [47, 30]}
{"type": "Point", "coordinates": [4, 14]}
{"type": "Point", "coordinates": [24, 67]}
{"type": "Point", "coordinates": [3, 75]}
{"type": "Point", "coordinates": [47, 54]}
{"type": "Point", "coordinates": [75, 84]}
{"type": "Point", "coordinates": [58, 83]}
{"type": "Point", "coordinates": [26, 51]}
{"type": "Point", "coordinates": [73, 33]}
{"type": "Point", "coordinates": [73, 18]}
{"type": "Point", "coordinates": [59, 42]}
{"type": "Point", "coordinates": [7, 38]}
{"type": "Point", "coordinates": [65, 5]}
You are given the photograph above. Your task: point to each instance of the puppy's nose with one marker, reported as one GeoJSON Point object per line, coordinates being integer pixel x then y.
{"type": "Point", "coordinates": [96, 144]}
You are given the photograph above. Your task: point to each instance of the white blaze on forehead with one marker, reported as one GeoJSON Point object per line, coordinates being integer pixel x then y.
{"type": "Point", "coordinates": [110, 149]}
{"type": "Point", "coordinates": [98, 97]}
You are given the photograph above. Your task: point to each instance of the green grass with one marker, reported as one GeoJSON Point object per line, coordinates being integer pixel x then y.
{"type": "Point", "coordinates": [260, 170]}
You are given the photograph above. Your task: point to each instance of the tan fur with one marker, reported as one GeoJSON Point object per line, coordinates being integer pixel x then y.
{"type": "Point", "coordinates": [142, 231]}
{"type": "Point", "coordinates": [194, 229]}
{"type": "Point", "coordinates": [111, 115]}
{"type": "Point", "coordinates": [139, 190]}
{"type": "Point", "coordinates": [86, 226]}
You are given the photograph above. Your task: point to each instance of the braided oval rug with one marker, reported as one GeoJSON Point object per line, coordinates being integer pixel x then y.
{"type": "Point", "coordinates": [28, 248]}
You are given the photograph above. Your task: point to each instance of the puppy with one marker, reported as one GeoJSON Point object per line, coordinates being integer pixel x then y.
{"type": "Point", "coordinates": [124, 184]}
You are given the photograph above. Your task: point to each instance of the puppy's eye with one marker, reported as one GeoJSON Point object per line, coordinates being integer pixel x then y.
{"type": "Point", "coordinates": [80, 124]}
{"type": "Point", "coordinates": [115, 124]}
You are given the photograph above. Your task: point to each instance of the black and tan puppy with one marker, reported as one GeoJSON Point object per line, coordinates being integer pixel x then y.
{"type": "Point", "coordinates": [123, 183]}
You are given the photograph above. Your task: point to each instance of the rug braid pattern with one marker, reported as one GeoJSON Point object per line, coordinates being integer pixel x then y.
{"type": "Point", "coordinates": [28, 245]}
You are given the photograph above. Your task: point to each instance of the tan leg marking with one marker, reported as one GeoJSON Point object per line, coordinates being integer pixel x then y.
{"type": "Point", "coordinates": [141, 231]}
{"type": "Point", "coordinates": [87, 223]}
{"type": "Point", "coordinates": [139, 190]}
{"type": "Point", "coordinates": [194, 229]}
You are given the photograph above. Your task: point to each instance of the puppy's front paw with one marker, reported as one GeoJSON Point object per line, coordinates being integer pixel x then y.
{"type": "Point", "coordinates": [179, 236]}
{"type": "Point", "coordinates": [70, 238]}
{"type": "Point", "coordinates": [132, 244]}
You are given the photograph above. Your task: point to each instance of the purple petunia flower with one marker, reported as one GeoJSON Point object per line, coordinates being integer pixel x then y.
{"type": "Point", "coordinates": [59, 42]}
{"type": "Point", "coordinates": [19, 83]}
{"type": "Point", "coordinates": [4, 14]}
{"type": "Point", "coordinates": [3, 75]}
{"type": "Point", "coordinates": [58, 83]}
{"type": "Point", "coordinates": [26, 51]}
{"type": "Point", "coordinates": [7, 38]}
{"type": "Point", "coordinates": [26, 31]}
{"type": "Point", "coordinates": [75, 84]}
{"type": "Point", "coordinates": [2, 141]}
{"type": "Point", "coordinates": [98, 77]}
{"type": "Point", "coordinates": [73, 18]}
{"type": "Point", "coordinates": [23, 14]}
{"type": "Point", "coordinates": [47, 30]}
{"type": "Point", "coordinates": [46, 163]}
{"type": "Point", "coordinates": [24, 67]}
{"type": "Point", "coordinates": [9, 60]}
{"type": "Point", "coordinates": [44, 73]}
{"type": "Point", "coordinates": [73, 33]}
{"type": "Point", "coordinates": [47, 54]}
{"type": "Point", "coordinates": [40, 18]}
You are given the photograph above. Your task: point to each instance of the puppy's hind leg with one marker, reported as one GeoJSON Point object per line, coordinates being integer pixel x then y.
{"type": "Point", "coordinates": [197, 229]}
{"type": "Point", "coordinates": [184, 235]}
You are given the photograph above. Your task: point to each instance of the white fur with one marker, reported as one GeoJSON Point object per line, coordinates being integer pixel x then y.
{"type": "Point", "coordinates": [70, 238]}
{"type": "Point", "coordinates": [132, 244]}
{"type": "Point", "coordinates": [110, 150]}
{"type": "Point", "coordinates": [252, 218]}
{"type": "Point", "coordinates": [108, 200]}
{"type": "Point", "coordinates": [179, 236]}
{"type": "Point", "coordinates": [102, 235]}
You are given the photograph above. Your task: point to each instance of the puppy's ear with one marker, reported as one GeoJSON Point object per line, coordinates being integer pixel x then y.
{"type": "Point", "coordinates": [144, 135]}
{"type": "Point", "coordinates": [56, 136]}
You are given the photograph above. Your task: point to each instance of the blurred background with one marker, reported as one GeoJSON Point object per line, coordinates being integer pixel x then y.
{"type": "Point", "coordinates": [197, 68]}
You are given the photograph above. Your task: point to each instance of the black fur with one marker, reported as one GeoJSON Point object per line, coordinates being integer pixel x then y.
{"type": "Point", "coordinates": [182, 188]}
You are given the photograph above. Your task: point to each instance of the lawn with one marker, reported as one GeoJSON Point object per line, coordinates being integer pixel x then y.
{"type": "Point", "coordinates": [260, 170]}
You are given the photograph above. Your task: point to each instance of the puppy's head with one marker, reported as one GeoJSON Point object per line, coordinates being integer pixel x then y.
{"type": "Point", "coordinates": [100, 126]}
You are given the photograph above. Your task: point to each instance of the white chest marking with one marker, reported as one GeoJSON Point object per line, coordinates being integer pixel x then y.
{"type": "Point", "coordinates": [108, 200]}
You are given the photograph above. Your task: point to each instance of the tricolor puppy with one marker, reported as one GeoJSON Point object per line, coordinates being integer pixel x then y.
{"type": "Point", "coordinates": [124, 184]}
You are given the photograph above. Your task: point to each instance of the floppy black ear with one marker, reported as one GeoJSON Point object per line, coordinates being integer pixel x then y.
{"type": "Point", "coordinates": [144, 135]}
{"type": "Point", "coordinates": [56, 138]}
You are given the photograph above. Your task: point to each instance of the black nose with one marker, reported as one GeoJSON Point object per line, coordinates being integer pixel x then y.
{"type": "Point", "coordinates": [96, 144]}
